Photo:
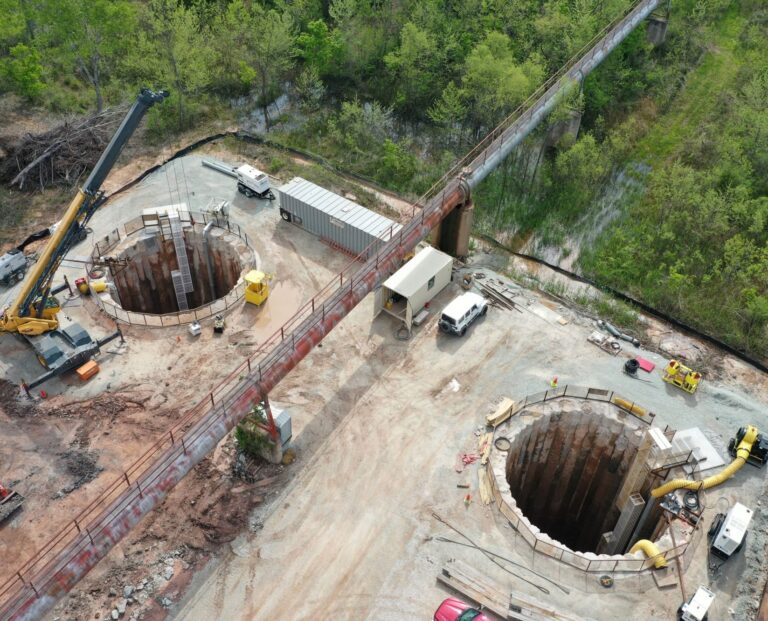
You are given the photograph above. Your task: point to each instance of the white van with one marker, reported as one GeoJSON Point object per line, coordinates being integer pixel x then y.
{"type": "Point", "coordinates": [461, 312]}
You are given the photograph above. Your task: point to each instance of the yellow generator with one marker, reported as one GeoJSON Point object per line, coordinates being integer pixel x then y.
{"type": "Point", "coordinates": [257, 287]}
{"type": "Point", "coordinates": [681, 376]}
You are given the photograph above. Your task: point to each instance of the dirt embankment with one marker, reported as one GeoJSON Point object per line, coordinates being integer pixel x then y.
{"type": "Point", "coordinates": [61, 454]}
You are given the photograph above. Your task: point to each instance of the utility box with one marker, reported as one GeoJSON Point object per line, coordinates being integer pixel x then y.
{"type": "Point", "coordinates": [696, 608]}
{"type": "Point", "coordinates": [343, 224]}
{"type": "Point", "coordinates": [283, 423]}
{"type": "Point", "coordinates": [732, 531]}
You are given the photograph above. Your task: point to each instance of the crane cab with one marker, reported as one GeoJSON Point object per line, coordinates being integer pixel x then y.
{"type": "Point", "coordinates": [52, 308]}
{"type": "Point", "coordinates": [257, 287]}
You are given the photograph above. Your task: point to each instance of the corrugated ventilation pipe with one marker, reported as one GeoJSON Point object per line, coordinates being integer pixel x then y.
{"type": "Point", "coordinates": [742, 453]}
{"type": "Point", "coordinates": [651, 550]}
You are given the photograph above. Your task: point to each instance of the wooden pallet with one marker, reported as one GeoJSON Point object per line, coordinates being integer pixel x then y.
{"type": "Point", "coordinates": [501, 295]}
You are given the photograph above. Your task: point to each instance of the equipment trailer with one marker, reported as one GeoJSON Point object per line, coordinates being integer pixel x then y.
{"type": "Point", "coordinates": [250, 181]}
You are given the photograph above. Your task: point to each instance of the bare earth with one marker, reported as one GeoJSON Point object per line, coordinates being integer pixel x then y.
{"type": "Point", "coordinates": [347, 531]}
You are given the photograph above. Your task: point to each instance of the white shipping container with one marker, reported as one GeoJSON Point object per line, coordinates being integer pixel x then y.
{"type": "Point", "coordinates": [334, 218]}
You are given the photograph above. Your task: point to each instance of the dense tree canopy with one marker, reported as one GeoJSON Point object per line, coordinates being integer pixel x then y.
{"type": "Point", "coordinates": [399, 90]}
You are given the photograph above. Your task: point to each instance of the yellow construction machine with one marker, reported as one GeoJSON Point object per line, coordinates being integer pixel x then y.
{"type": "Point", "coordinates": [679, 375]}
{"type": "Point", "coordinates": [257, 287]}
{"type": "Point", "coordinates": [33, 313]}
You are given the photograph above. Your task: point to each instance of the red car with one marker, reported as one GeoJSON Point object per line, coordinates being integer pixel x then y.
{"type": "Point", "coordinates": [453, 609]}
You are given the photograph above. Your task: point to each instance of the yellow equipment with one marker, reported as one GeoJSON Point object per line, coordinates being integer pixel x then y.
{"type": "Point", "coordinates": [99, 285]}
{"type": "Point", "coordinates": [34, 310]}
{"type": "Point", "coordinates": [742, 451]}
{"type": "Point", "coordinates": [257, 287]}
{"type": "Point", "coordinates": [651, 550]}
{"type": "Point", "coordinates": [630, 407]}
{"type": "Point", "coordinates": [681, 376]}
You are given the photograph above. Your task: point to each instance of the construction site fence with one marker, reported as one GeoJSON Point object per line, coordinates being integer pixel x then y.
{"type": "Point", "coordinates": [108, 242]}
{"type": "Point", "coordinates": [76, 537]}
{"type": "Point", "coordinates": [589, 394]}
{"type": "Point", "coordinates": [543, 546]}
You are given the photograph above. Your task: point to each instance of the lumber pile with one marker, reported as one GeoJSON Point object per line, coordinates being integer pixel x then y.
{"type": "Point", "coordinates": [499, 294]}
{"type": "Point", "coordinates": [502, 412]}
{"type": "Point", "coordinates": [60, 156]}
{"type": "Point", "coordinates": [491, 597]}
{"type": "Point", "coordinates": [484, 484]}
{"type": "Point", "coordinates": [484, 443]}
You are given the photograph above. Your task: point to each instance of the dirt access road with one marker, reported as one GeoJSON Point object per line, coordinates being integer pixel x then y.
{"type": "Point", "coordinates": [351, 538]}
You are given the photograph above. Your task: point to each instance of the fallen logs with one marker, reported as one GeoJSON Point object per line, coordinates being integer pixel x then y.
{"type": "Point", "coordinates": [59, 156]}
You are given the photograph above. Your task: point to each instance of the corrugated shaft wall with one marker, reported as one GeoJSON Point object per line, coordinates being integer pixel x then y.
{"type": "Point", "coordinates": [564, 473]}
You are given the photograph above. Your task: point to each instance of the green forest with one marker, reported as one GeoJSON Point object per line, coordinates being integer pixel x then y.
{"type": "Point", "coordinates": [398, 91]}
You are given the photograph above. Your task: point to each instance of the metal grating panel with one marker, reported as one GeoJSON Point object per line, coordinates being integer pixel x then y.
{"type": "Point", "coordinates": [178, 289]}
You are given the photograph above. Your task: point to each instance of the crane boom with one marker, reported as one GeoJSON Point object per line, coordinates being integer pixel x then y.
{"type": "Point", "coordinates": [34, 310]}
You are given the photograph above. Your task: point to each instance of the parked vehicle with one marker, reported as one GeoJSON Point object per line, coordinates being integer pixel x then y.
{"type": "Point", "coordinates": [461, 312]}
{"type": "Point", "coordinates": [13, 266]}
{"type": "Point", "coordinates": [253, 182]}
{"type": "Point", "coordinates": [453, 609]}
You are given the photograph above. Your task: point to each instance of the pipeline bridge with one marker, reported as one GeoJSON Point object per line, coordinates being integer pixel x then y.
{"type": "Point", "coordinates": [71, 553]}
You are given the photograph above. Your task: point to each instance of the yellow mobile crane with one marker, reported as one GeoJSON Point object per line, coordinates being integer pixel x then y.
{"type": "Point", "coordinates": [33, 312]}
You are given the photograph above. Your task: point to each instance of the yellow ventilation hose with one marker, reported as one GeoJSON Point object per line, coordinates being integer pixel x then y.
{"type": "Point", "coordinates": [651, 550]}
{"type": "Point", "coordinates": [742, 453]}
{"type": "Point", "coordinates": [630, 407]}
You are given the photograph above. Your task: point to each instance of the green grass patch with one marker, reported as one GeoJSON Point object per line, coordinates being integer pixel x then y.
{"type": "Point", "coordinates": [700, 96]}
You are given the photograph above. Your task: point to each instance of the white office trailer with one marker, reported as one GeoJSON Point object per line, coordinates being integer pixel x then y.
{"type": "Point", "coordinates": [405, 294]}
{"type": "Point", "coordinates": [335, 219]}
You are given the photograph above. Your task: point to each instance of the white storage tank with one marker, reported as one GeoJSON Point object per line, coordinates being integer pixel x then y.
{"type": "Point", "coordinates": [333, 218]}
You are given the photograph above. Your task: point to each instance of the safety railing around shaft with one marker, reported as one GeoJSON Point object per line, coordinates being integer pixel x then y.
{"type": "Point", "coordinates": [36, 586]}
{"type": "Point", "coordinates": [107, 243]}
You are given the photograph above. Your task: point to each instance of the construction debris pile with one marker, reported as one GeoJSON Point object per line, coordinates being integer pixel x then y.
{"type": "Point", "coordinates": [59, 156]}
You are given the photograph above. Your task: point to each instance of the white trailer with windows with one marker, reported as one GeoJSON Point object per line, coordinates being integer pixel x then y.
{"type": "Point", "coordinates": [404, 294]}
